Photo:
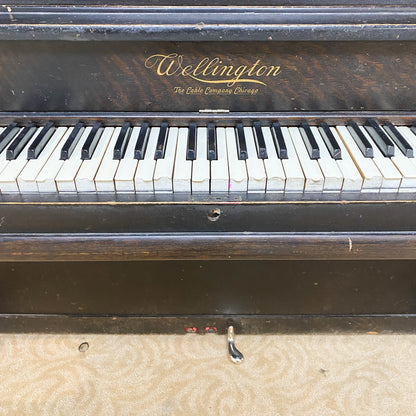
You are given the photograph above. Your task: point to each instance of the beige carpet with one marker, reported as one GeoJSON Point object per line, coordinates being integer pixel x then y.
{"type": "Point", "coordinates": [300, 375]}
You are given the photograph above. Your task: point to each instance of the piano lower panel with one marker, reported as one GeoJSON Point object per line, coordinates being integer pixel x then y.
{"type": "Point", "coordinates": [168, 297]}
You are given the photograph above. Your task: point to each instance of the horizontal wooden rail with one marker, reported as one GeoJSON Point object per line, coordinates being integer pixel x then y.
{"type": "Point", "coordinates": [207, 246]}
{"type": "Point", "coordinates": [207, 23]}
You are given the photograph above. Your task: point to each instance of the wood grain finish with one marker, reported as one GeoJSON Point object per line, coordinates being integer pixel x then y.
{"type": "Point", "coordinates": [218, 246]}
{"type": "Point", "coordinates": [111, 77]}
{"type": "Point", "coordinates": [292, 3]}
{"type": "Point", "coordinates": [167, 296]}
{"type": "Point", "coordinates": [209, 23]}
{"type": "Point", "coordinates": [292, 118]}
{"type": "Point", "coordinates": [244, 324]}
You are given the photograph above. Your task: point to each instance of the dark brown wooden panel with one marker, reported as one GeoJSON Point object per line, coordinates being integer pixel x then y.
{"type": "Point", "coordinates": [208, 246]}
{"type": "Point", "coordinates": [111, 76]}
{"type": "Point", "coordinates": [293, 118]}
{"type": "Point", "coordinates": [255, 296]}
{"type": "Point", "coordinates": [213, 23]}
{"type": "Point", "coordinates": [219, 2]}
{"type": "Point", "coordinates": [243, 324]}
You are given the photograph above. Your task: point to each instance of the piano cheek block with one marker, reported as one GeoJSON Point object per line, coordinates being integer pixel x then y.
{"type": "Point", "coordinates": [253, 173]}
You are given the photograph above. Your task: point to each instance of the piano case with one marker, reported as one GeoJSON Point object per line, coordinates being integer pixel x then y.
{"type": "Point", "coordinates": [160, 263]}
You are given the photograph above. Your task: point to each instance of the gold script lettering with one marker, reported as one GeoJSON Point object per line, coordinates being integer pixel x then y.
{"type": "Point", "coordinates": [174, 64]}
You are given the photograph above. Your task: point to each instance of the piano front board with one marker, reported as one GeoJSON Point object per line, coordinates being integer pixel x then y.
{"type": "Point", "coordinates": [154, 77]}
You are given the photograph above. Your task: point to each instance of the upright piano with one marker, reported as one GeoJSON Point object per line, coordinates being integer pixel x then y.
{"type": "Point", "coordinates": [167, 167]}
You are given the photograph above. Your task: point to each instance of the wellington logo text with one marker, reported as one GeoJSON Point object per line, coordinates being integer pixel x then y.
{"type": "Point", "coordinates": [210, 70]}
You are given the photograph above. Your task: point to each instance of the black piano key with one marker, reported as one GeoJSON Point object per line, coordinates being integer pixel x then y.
{"type": "Point", "coordinates": [122, 140]}
{"type": "Point", "coordinates": [212, 142]}
{"type": "Point", "coordinates": [41, 140]}
{"type": "Point", "coordinates": [363, 144]}
{"type": "Point", "coordinates": [310, 142]}
{"type": "Point", "coordinates": [381, 139]}
{"type": "Point", "coordinates": [241, 142]}
{"type": "Point", "coordinates": [161, 141]}
{"type": "Point", "coordinates": [72, 141]}
{"type": "Point", "coordinates": [92, 140]}
{"type": "Point", "coordinates": [259, 139]}
{"type": "Point", "coordinates": [8, 133]}
{"type": "Point", "coordinates": [398, 138]}
{"type": "Point", "coordinates": [20, 141]}
{"type": "Point", "coordinates": [330, 141]}
{"type": "Point", "coordinates": [279, 141]}
{"type": "Point", "coordinates": [141, 142]}
{"type": "Point", "coordinates": [191, 146]}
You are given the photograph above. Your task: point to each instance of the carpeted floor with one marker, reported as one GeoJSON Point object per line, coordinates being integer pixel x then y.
{"type": "Point", "coordinates": [299, 375]}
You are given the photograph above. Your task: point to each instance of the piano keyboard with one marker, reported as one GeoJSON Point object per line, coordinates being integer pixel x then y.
{"type": "Point", "coordinates": [166, 159]}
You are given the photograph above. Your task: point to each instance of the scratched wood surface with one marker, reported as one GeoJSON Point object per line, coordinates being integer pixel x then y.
{"type": "Point", "coordinates": [108, 76]}
{"type": "Point", "coordinates": [221, 2]}
{"type": "Point", "coordinates": [170, 296]}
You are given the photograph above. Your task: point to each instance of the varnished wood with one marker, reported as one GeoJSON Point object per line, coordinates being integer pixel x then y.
{"type": "Point", "coordinates": [244, 324]}
{"type": "Point", "coordinates": [233, 215]}
{"type": "Point", "coordinates": [216, 246]}
{"type": "Point", "coordinates": [286, 118]}
{"type": "Point", "coordinates": [111, 77]}
{"type": "Point", "coordinates": [119, 3]}
{"type": "Point", "coordinates": [168, 296]}
{"type": "Point", "coordinates": [196, 23]}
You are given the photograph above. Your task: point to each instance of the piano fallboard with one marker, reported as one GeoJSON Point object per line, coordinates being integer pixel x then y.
{"type": "Point", "coordinates": [239, 76]}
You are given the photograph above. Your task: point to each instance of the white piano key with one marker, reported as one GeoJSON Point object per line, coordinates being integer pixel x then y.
{"type": "Point", "coordinates": [8, 177]}
{"type": "Point", "coordinates": [237, 168]}
{"type": "Point", "coordinates": [104, 179]}
{"type": "Point", "coordinates": [406, 165]}
{"type": "Point", "coordinates": [27, 178]}
{"type": "Point", "coordinates": [201, 166]}
{"type": "Point", "coordinates": [333, 178]}
{"type": "Point", "coordinates": [84, 180]}
{"type": "Point", "coordinates": [143, 180]}
{"type": "Point", "coordinates": [163, 176]}
{"type": "Point", "coordinates": [65, 179]}
{"type": "Point", "coordinates": [353, 181]}
{"type": "Point", "coordinates": [391, 176]}
{"type": "Point", "coordinates": [314, 179]}
{"type": "Point", "coordinates": [45, 180]}
{"type": "Point", "coordinates": [255, 166]}
{"type": "Point", "coordinates": [411, 138]}
{"type": "Point", "coordinates": [372, 178]}
{"type": "Point", "coordinates": [182, 174]}
{"type": "Point", "coordinates": [407, 169]}
{"type": "Point", "coordinates": [124, 178]}
{"type": "Point", "coordinates": [276, 178]}
{"type": "Point", "coordinates": [219, 168]}
{"type": "Point", "coordinates": [295, 179]}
